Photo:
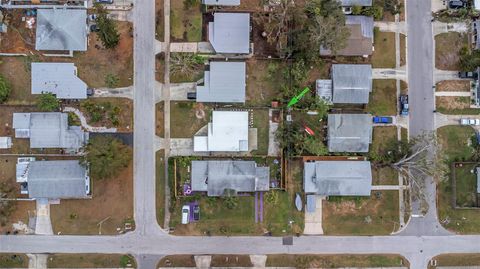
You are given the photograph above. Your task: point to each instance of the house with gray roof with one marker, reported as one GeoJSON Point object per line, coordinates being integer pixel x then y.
{"type": "Point", "coordinates": [49, 130]}
{"type": "Point", "coordinates": [216, 177]}
{"type": "Point", "coordinates": [337, 178]}
{"type": "Point", "coordinates": [221, 2]}
{"type": "Point", "coordinates": [61, 29]}
{"type": "Point", "coordinates": [228, 131]}
{"type": "Point", "coordinates": [351, 3]}
{"type": "Point", "coordinates": [360, 41]}
{"type": "Point", "coordinates": [349, 132]}
{"type": "Point", "coordinates": [230, 33]}
{"type": "Point", "coordinates": [59, 79]}
{"type": "Point", "coordinates": [224, 82]}
{"type": "Point", "coordinates": [63, 179]}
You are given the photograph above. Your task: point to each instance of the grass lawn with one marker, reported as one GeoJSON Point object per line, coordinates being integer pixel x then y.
{"type": "Point", "coordinates": [112, 202]}
{"type": "Point", "coordinates": [263, 81]}
{"type": "Point", "coordinates": [403, 50]}
{"type": "Point", "coordinates": [383, 99]}
{"type": "Point", "coordinates": [90, 261]}
{"type": "Point", "coordinates": [16, 72]}
{"type": "Point", "coordinates": [447, 50]}
{"type": "Point", "coordinates": [382, 136]}
{"type": "Point", "coordinates": [374, 215]}
{"type": "Point", "coordinates": [384, 54]}
{"type": "Point", "coordinates": [457, 260]}
{"type": "Point", "coordinates": [466, 185]}
{"type": "Point", "coordinates": [453, 86]}
{"type": "Point", "coordinates": [113, 112]}
{"type": "Point", "coordinates": [177, 261]}
{"type": "Point", "coordinates": [335, 261]}
{"type": "Point", "coordinates": [160, 186]}
{"type": "Point", "coordinates": [159, 20]}
{"type": "Point", "coordinates": [384, 176]}
{"type": "Point", "coordinates": [403, 87]}
{"type": "Point", "coordinates": [404, 134]}
{"type": "Point", "coordinates": [224, 261]}
{"type": "Point", "coordinates": [10, 260]}
{"type": "Point", "coordinates": [455, 144]}
{"type": "Point", "coordinates": [186, 22]}
{"type": "Point", "coordinates": [261, 122]}
{"type": "Point", "coordinates": [455, 105]}
{"type": "Point", "coordinates": [159, 120]}
{"type": "Point", "coordinates": [188, 118]}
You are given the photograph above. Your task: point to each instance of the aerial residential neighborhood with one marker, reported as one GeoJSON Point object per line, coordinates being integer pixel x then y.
{"type": "Point", "coordinates": [240, 134]}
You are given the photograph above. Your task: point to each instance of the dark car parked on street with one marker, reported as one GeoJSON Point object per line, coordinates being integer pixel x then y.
{"type": "Point", "coordinates": [196, 212]}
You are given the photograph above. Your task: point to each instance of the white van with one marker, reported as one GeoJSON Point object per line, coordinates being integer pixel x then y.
{"type": "Point", "coordinates": [185, 214]}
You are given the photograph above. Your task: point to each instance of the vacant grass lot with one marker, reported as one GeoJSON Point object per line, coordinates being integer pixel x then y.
{"type": "Point", "coordinates": [17, 73]}
{"type": "Point", "coordinates": [263, 81]}
{"type": "Point", "coordinates": [186, 22]}
{"type": "Point", "coordinates": [112, 203]}
{"type": "Point", "coordinates": [261, 122]}
{"type": "Point", "coordinates": [466, 185]}
{"type": "Point", "coordinates": [455, 142]}
{"type": "Point", "coordinates": [455, 105]}
{"type": "Point", "coordinates": [188, 117]}
{"type": "Point", "coordinates": [383, 99]}
{"type": "Point", "coordinates": [90, 261]}
{"type": "Point", "coordinates": [10, 260]}
{"type": "Point", "coordinates": [457, 260]}
{"type": "Point", "coordinates": [335, 261]}
{"type": "Point", "coordinates": [447, 50]}
{"type": "Point", "coordinates": [453, 86]}
{"type": "Point", "coordinates": [384, 54]}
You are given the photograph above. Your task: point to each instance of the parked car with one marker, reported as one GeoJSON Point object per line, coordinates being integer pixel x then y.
{"type": "Point", "coordinates": [90, 91]}
{"type": "Point", "coordinates": [94, 28]}
{"type": "Point", "coordinates": [470, 122]}
{"type": "Point", "coordinates": [456, 4]}
{"type": "Point", "coordinates": [196, 212]}
{"type": "Point", "coordinates": [384, 120]}
{"type": "Point", "coordinates": [185, 214]}
{"type": "Point", "coordinates": [404, 105]}
{"type": "Point", "coordinates": [104, 1]}
{"type": "Point", "coordinates": [191, 95]}
{"type": "Point", "coordinates": [472, 75]}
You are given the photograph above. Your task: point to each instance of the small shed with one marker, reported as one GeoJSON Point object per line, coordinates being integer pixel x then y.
{"type": "Point", "coordinates": [5, 142]}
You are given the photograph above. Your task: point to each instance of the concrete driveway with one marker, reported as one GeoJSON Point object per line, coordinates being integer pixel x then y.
{"type": "Point", "coordinates": [313, 220]}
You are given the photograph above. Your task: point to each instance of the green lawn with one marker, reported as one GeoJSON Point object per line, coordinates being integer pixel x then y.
{"type": "Point", "coordinates": [382, 136]}
{"type": "Point", "coordinates": [264, 81]}
{"type": "Point", "coordinates": [335, 261]}
{"type": "Point", "coordinates": [260, 121]}
{"type": "Point", "coordinates": [384, 54]}
{"type": "Point", "coordinates": [384, 176]}
{"type": "Point", "coordinates": [374, 215]}
{"type": "Point", "coordinates": [8, 260]}
{"type": "Point", "coordinates": [90, 261]}
{"type": "Point", "coordinates": [455, 105]}
{"type": "Point", "coordinates": [160, 186]}
{"type": "Point", "coordinates": [455, 146]}
{"type": "Point", "coordinates": [186, 22]}
{"type": "Point", "coordinates": [466, 185]}
{"type": "Point", "coordinates": [185, 122]}
{"type": "Point", "coordinates": [383, 100]}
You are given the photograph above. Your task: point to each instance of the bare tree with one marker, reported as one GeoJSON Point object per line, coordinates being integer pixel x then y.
{"type": "Point", "coordinates": [185, 63]}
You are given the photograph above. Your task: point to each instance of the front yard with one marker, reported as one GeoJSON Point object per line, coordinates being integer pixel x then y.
{"type": "Point", "coordinates": [453, 86]}
{"type": "Point", "coordinates": [384, 54]}
{"type": "Point", "coordinates": [109, 112]}
{"type": "Point", "coordinates": [455, 105]}
{"type": "Point", "coordinates": [188, 118]}
{"type": "Point", "coordinates": [186, 21]}
{"type": "Point", "coordinates": [383, 100]}
{"type": "Point", "coordinates": [447, 50]}
{"type": "Point", "coordinates": [10, 260]}
{"type": "Point", "coordinates": [90, 261]}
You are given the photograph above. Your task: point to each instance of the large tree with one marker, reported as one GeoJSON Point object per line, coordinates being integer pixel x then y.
{"type": "Point", "coordinates": [48, 102]}
{"type": "Point", "coordinates": [4, 89]}
{"type": "Point", "coordinates": [108, 32]}
{"type": "Point", "coordinates": [106, 156]}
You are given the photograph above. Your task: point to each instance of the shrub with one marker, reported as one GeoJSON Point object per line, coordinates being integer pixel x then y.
{"type": "Point", "coordinates": [48, 102]}
{"type": "Point", "coordinates": [4, 89]}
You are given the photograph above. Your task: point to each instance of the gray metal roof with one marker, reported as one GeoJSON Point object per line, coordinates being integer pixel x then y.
{"type": "Point", "coordinates": [216, 176]}
{"type": "Point", "coordinates": [366, 24]}
{"type": "Point", "coordinates": [225, 83]}
{"type": "Point", "coordinates": [49, 130]}
{"type": "Point", "coordinates": [349, 3]}
{"type": "Point", "coordinates": [352, 83]}
{"type": "Point", "coordinates": [221, 2]}
{"type": "Point", "coordinates": [349, 132]}
{"type": "Point", "coordinates": [61, 29]}
{"type": "Point", "coordinates": [58, 78]}
{"type": "Point", "coordinates": [338, 178]}
{"type": "Point", "coordinates": [230, 32]}
{"type": "Point", "coordinates": [57, 179]}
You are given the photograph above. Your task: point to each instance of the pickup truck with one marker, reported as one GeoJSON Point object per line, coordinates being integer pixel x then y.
{"type": "Point", "coordinates": [384, 120]}
{"type": "Point", "coordinates": [404, 105]}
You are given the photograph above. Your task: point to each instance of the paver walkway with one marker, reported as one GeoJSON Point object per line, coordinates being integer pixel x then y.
{"type": "Point", "coordinates": [83, 122]}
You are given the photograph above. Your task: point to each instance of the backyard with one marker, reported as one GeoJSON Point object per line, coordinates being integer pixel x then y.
{"type": "Point", "coordinates": [186, 21]}
{"type": "Point", "coordinates": [384, 54]}
{"type": "Point", "coordinates": [189, 117]}
{"type": "Point", "coordinates": [383, 101]}
{"type": "Point", "coordinates": [90, 261]}
{"type": "Point", "coordinates": [447, 50]}
{"type": "Point", "coordinates": [261, 122]}
{"type": "Point", "coordinates": [111, 205]}
{"type": "Point", "coordinates": [264, 81]}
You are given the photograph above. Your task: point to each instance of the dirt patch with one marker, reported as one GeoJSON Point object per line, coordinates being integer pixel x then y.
{"type": "Point", "coordinates": [403, 50]}
{"type": "Point", "coordinates": [159, 120]}
{"type": "Point", "coordinates": [159, 20]}
{"type": "Point", "coordinates": [112, 202]}
{"type": "Point", "coordinates": [16, 71]}
{"type": "Point", "coordinates": [452, 102]}
{"type": "Point", "coordinates": [19, 38]}
{"type": "Point", "coordinates": [447, 50]}
{"type": "Point", "coordinates": [115, 112]}
{"type": "Point", "coordinates": [160, 67]}
{"type": "Point", "coordinates": [453, 86]}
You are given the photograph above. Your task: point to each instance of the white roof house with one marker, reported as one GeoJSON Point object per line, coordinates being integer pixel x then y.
{"type": "Point", "coordinates": [228, 131]}
{"type": "Point", "coordinates": [221, 2]}
{"type": "Point", "coordinates": [230, 32]}
{"type": "Point", "coordinates": [225, 82]}
{"type": "Point", "coordinates": [61, 29]}
{"type": "Point", "coordinates": [5, 142]}
{"type": "Point", "coordinates": [58, 78]}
